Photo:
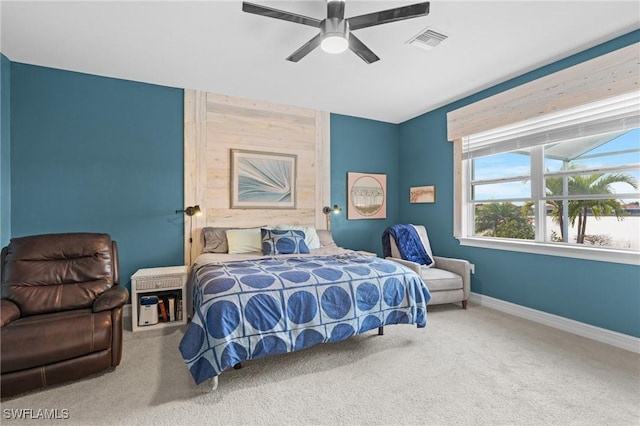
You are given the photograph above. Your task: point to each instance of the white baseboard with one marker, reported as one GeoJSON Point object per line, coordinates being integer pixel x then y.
{"type": "Point", "coordinates": [603, 335]}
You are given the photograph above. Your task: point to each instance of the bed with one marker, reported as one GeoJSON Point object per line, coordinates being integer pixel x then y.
{"type": "Point", "coordinates": [248, 304]}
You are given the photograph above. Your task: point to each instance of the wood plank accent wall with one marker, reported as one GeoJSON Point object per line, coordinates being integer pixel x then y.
{"type": "Point", "coordinates": [216, 124]}
{"type": "Point", "coordinates": [613, 74]}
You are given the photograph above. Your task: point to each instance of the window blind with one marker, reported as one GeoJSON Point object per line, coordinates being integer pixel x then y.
{"type": "Point", "coordinates": [614, 114]}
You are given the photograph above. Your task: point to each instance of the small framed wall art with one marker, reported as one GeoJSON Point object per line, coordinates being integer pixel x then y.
{"type": "Point", "coordinates": [422, 194]}
{"type": "Point", "coordinates": [262, 180]}
{"type": "Point", "coordinates": [367, 193]}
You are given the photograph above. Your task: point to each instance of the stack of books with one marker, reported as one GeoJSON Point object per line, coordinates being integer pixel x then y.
{"type": "Point", "coordinates": [169, 307]}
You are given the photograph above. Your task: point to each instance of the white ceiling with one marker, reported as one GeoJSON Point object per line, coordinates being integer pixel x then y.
{"type": "Point", "coordinates": [214, 46]}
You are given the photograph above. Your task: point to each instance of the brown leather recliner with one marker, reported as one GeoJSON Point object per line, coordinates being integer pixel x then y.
{"type": "Point", "coordinates": [61, 309]}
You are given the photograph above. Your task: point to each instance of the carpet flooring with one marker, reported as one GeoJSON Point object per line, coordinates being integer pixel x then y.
{"type": "Point", "coordinates": [473, 367]}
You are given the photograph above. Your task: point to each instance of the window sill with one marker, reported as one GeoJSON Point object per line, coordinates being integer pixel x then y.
{"type": "Point", "coordinates": [576, 252]}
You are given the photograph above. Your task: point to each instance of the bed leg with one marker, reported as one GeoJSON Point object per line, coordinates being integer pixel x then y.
{"type": "Point", "coordinates": [214, 383]}
{"type": "Point", "coordinates": [238, 366]}
{"type": "Point", "coordinates": [380, 331]}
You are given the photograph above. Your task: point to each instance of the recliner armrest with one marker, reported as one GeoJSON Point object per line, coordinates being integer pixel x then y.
{"type": "Point", "coordinates": [457, 266]}
{"type": "Point", "coordinates": [9, 311]}
{"type": "Point", "coordinates": [115, 297]}
{"type": "Point", "coordinates": [415, 267]}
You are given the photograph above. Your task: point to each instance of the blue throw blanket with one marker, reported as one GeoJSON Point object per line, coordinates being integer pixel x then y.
{"type": "Point", "coordinates": [408, 242]}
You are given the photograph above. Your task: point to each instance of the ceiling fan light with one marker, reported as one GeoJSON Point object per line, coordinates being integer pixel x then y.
{"type": "Point", "coordinates": [334, 43]}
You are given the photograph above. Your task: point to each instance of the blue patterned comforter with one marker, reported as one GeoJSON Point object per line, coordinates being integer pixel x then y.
{"type": "Point", "coordinates": [251, 309]}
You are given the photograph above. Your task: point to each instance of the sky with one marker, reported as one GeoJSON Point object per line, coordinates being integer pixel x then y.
{"type": "Point", "coordinates": [510, 165]}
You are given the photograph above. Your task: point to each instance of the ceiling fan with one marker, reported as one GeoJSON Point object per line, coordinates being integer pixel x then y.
{"type": "Point", "coordinates": [336, 31]}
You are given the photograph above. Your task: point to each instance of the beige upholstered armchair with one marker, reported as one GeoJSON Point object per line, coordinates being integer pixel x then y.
{"type": "Point", "coordinates": [448, 279]}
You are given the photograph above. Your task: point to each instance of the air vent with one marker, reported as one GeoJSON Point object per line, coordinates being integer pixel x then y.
{"type": "Point", "coordinates": [427, 39]}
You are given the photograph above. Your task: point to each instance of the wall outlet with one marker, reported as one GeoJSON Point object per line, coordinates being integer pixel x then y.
{"type": "Point", "coordinates": [473, 268]}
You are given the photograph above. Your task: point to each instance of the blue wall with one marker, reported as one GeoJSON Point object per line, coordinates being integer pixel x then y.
{"type": "Point", "coordinates": [5, 150]}
{"type": "Point", "coordinates": [95, 154]}
{"type": "Point", "coordinates": [599, 293]}
{"type": "Point", "coordinates": [366, 146]}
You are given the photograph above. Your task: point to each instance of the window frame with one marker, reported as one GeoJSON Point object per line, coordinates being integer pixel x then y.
{"type": "Point", "coordinates": [465, 206]}
{"type": "Point", "coordinates": [554, 249]}
{"type": "Point", "coordinates": [611, 74]}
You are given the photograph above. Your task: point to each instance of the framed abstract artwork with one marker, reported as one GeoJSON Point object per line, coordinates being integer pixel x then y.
{"type": "Point", "coordinates": [367, 195]}
{"type": "Point", "coordinates": [422, 194]}
{"type": "Point", "coordinates": [262, 180]}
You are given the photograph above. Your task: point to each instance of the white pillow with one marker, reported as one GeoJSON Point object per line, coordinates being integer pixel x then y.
{"type": "Point", "coordinates": [311, 237]}
{"type": "Point", "coordinates": [244, 240]}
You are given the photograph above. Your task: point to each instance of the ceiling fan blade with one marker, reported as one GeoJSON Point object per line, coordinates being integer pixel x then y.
{"type": "Point", "coordinates": [335, 9]}
{"type": "Point", "coordinates": [387, 16]}
{"type": "Point", "coordinates": [270, 12]}
{"type": "Point", "coordinates": [305, 49]}
{"type": "Point", "coordinates": [361, 50]}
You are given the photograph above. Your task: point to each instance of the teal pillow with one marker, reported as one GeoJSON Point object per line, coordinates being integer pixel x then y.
{"type": "Point", "coordinates": [277, 241]}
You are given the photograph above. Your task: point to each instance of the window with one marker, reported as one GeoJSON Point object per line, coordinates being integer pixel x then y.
{"type": "Point", "coordinates": [566, 180]}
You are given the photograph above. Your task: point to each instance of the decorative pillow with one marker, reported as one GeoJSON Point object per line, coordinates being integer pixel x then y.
{"type": "Point", "coordinates": [326, 238]}
{"type": "Point", "coordinates": [310, 235]}
{"type": "Point", "coordinates": [280, 241]}
{"type": "Point", "coordinates": [243, 240]}
{"type": "Point", "coordinates": [215, 240]}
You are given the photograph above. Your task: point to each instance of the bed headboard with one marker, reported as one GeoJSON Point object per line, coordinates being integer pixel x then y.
{"type": "Point", "coordinates": [214, 125]}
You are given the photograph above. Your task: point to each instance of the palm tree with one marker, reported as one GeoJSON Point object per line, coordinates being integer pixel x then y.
{"type": "Point", "coordinates": [554, 187]}
{"type": "Point", "coordinates": [490, 216]}
{"type": "Point", "coordinates": [598, 183]}
{"type": "Point", "coordinates": [594, 184]}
